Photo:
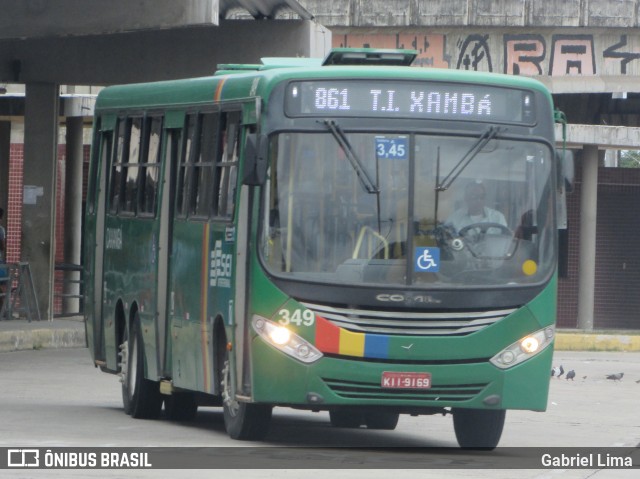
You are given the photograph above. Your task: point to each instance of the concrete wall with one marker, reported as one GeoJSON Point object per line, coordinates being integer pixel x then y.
{"type": "Point", "coordinates": [568, 61]}
{"type": "Point", "coordinates": [486, 13]}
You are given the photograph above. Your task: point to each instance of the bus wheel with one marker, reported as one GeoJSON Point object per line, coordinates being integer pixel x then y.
{"type": "Point", "coordinates": [141, 397]}
{"type": "Point", "coordinates": [381, 420]}
{"type": "Point", "coordinates": [181, 406]}
{"type": "Point", "coordinates": [243, 421]}
{"type": "Point", "coordinates": [478, 428]}
{"type": "Point", "coordinates": [346, 418]}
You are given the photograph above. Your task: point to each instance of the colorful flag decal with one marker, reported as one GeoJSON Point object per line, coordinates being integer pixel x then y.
{"type": "Point", "coordinates": [332, 339]}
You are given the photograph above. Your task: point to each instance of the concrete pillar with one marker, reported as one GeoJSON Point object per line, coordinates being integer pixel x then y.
{"type": "Point", "coordinates": [588, 209]}
{"type": "Point", "coordinates": [40, 174]}
{"type": "Point", "coordinates": [73, 210]}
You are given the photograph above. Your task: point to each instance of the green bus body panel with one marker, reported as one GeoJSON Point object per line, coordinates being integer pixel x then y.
{"type": "Point", "coordinates": [278, 378]}
{"type": "Point", "coordinates": [108, 122]}
{"type": "Point", "coordinates": [130, 277]}
{"type": "Point", "coordinates": [281, 380]}
{"type": "Point", "coordinates": [195, 302]}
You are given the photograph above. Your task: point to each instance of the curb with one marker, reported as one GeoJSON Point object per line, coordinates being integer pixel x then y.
{"type": "Point", "coordinates": [42, 339]}
{"type": "Point", "coordinates": [594, 341]}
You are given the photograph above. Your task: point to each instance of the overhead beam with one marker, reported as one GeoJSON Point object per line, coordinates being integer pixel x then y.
{"type": "Point", "coordinates": [604, 137]}
{"type": "Point", "coordinates": [157, 55]}
{"type": "Point", "coordinates": [54, 18]}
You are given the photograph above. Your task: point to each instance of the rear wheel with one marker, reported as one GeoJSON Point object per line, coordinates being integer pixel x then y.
{"type": "Point", "coordinates": [243, 421]}
{"type": "Point", "coordinates": [140, 396]}
{"type": "Point", "coordinates": [478, 428]}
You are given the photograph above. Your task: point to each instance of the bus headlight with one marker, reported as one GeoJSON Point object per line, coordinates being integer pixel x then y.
{"type": "Point", "coordinates": [284, 340]}
{"type": "Point", "coordinates": [524, 348]}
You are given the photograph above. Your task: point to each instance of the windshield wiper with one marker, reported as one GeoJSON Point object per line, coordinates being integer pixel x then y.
{"type": "Point", "coordinates": [488, 135]}
{"type": "Point", "coordinates": [356, 163]}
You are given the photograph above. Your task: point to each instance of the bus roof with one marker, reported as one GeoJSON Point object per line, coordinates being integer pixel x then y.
{"type": "Point", "coordinates": [236, 81]}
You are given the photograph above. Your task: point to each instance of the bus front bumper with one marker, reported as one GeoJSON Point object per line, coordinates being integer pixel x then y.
{"type": "Point", "coordinates": [331, 382]}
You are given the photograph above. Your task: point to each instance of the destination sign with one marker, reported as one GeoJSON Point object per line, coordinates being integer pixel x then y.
{"type": "Point", "coordinates": [409, 99]}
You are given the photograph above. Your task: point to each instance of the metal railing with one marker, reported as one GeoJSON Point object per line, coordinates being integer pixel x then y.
{"type": "Point", "coordinates": [17, 293]}
{"type": "Point", "coordinates": [68, 290]}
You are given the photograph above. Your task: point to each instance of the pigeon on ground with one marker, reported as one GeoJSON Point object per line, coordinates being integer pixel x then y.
{"type": "Point", "coordinates": [557, 371]}
{"type": "Point", "coordinates": [638, 381]}
{"type": "Point", "coordinates": [615, 377]}
{"type": "Point", "coordinates": [571, 374]}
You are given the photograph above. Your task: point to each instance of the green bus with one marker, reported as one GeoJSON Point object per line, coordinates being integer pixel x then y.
{"type": "Point", "coordinates": [348, 234]}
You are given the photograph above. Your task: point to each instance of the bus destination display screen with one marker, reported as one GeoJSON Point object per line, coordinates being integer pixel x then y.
{"type": "Point", "coordinates": [409, 99]}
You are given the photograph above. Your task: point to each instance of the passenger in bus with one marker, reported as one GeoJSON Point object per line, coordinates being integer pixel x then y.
{"type": "Point", "coordinates": [475, 210]}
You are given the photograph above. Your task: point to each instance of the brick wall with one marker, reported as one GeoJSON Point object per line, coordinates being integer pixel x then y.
{"type": "Point", "coordinates": [59, 252]}
{"type": "Point", "coordinates": [13, 211]}
{"type": "Point", "coordinates": [616, 297]}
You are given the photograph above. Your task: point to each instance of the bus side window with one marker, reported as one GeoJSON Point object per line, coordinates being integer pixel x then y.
{"type": "Point", "coordinates": [150, 167]}
{"type": "Point", "coordinates": [227, 165]}
{"type": "Point", "coordinates": [202, 179]}
{"type": "Point", "coordinates": [115, 194]}
{"type": "Point", "coordinates": [132, 169]}
{"type": "Point", "coordinates": [124, 175]}
{"type": "Point", "coordinates": [103, 147]}
{"type": "Point", "coordinates": [182, 203]}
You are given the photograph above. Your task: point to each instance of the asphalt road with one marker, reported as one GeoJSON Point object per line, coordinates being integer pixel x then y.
{"type": "Point", "coordinates": [56, 398]}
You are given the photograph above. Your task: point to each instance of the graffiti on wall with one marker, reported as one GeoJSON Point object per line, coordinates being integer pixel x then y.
{"type": "Point", "coordinates": [530, 54]}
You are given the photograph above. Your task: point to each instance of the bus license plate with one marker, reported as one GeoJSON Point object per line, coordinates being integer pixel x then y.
{"type": "Point", "coordinates": [395, 380]}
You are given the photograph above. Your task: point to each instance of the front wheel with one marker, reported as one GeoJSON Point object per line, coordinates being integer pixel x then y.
{"type": "Point", "coordinates": [478, 428]}
{"type": "Point", "coordinates": [243, 421]}
{"type": "Point", "coordinates": [140, 396]}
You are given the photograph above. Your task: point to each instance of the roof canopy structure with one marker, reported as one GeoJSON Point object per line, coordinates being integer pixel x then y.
{"type": "Point", "coordinates": [92, 42]}
{"type": "Point", "coordinates": [259, 9]}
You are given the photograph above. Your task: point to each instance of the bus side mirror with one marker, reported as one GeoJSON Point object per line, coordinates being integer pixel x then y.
{"type": "Point", "coordinates": [566, 169]}
{"type": "Point", "coordinates": [255, 160]}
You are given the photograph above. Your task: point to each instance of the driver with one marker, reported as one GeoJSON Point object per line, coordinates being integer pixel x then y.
{"type": "Point", "coordinates": [475, 211]}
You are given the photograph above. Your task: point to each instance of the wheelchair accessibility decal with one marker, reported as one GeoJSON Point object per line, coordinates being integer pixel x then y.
{"type": "Point", "coordinates": [427, 260]}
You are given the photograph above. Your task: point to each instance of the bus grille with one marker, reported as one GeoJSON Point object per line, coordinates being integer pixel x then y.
{"type": "Point", "coordinates": [408, 323]}
{"type": "Point", "coordinates": [363, 390]}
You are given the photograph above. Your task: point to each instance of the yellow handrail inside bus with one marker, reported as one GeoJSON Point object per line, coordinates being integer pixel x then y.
{"type": "Point", "coordinates": [363, 231]}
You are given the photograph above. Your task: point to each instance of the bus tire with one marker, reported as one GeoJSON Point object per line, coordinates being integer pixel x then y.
{"type": "Point", "coordinates": [381, 420]}
{"type": "Point", "coordinates": [346, 418]}
{"type": "Point", "coordinates": [478, 428]}
{"type": "Point", "coordinates": [242, 421]}
{"type": "Point", "coordinates": [181, 406]}
{"type": "Point", "coordinates": [140, 396]}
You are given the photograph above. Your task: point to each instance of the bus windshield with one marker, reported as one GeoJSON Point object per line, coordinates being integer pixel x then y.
{"type": "Point", "coordinates": [434, 215]}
